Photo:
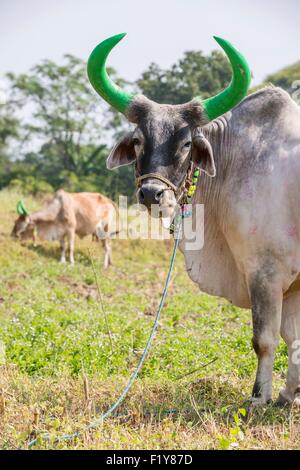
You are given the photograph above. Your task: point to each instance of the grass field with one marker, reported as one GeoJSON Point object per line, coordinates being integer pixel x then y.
{"type": "Point", "coordinates": [61, 366]}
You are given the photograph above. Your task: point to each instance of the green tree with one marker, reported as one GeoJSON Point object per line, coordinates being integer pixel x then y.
{"type": "Point", "coordinates": [9, 131]}
{"type": "Point", "coordinates": [195, 74]}
{"type": "Point", "coordinates": [66, 123]}
{"type": "Point", "coordinates": [286, 77]}
{"type": "Point", "coordinates": [63, 108]}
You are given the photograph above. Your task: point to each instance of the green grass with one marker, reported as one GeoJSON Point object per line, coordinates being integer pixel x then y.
{"type": "Point", "coordinates": [62, 367]}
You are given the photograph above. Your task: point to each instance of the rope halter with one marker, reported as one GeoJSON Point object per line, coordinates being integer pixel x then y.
{"type": "Point", "coordinates": [184, 192]}
{"type": "Point", "coordinates": [159, 177]}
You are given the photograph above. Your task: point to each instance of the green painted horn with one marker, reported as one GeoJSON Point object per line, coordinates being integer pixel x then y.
{"type": "Point", "coordinates": [99, 78]}
{"type": "Point", "coordinates": [214, 106]}
{"type": "Point", "coordinates": [238, 87]}
{"type": "Point", "coordinates": [21, 210]}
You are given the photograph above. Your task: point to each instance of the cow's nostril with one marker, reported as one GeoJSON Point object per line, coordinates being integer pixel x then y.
{"type": "Point", "coordinates": [159, 194]}
{"type": "Point", "coordinates": [141, 196]}
{"type": "Point", "coordinates": [150, 194]}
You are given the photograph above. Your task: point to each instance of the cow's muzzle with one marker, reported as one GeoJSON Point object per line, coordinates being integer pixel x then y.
{"type": "Point", "coordinates": [150, 193]}
{"type": "Point", "coordinates": [158, 199]}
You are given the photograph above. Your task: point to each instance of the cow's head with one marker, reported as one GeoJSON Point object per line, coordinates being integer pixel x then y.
{"type": "Point", "coordinates": [23, 227]}
{"type": "Point", "coordinates": [167, 137]}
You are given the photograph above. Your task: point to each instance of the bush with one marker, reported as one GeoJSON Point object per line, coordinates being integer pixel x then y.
{"type": "Point", "coordinates": [30, 185]}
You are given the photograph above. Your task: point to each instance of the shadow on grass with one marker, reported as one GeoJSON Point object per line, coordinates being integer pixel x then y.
{"type": "Point", "coordinates": [53, 252]}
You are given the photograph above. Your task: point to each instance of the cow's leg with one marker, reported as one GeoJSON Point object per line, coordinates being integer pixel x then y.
{"type": "Point", "coordinates": [71, 236]}
{"type": "Point", "coordinates": [290, 332]}
{"type": "Point", "coordinates": [266, 299]}
{"type": "Point", "coordinates": [63, 250]}
{"type": "Point", "coordinates": [107, 252]}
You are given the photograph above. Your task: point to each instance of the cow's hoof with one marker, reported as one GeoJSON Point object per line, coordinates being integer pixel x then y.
{"type": "Point", "coordinates": [296, 402]}
{"type": "Point", "coordinates": [258, 401]}
{"type": "Point", "coordinates": [284, 399]}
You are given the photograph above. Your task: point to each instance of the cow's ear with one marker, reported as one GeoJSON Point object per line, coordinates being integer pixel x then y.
{"type": "Point", "coordinates": [202, 155]}
{"type": "Point", "coordinates": [122, 154]}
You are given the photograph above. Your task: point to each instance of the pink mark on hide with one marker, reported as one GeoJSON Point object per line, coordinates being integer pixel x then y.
{"type": "Point", "coordinates": [253, 230]}
{"type": "Point", "coordinates": [285, 183]}
{"type": "Point", "coordinates": [292, 231]}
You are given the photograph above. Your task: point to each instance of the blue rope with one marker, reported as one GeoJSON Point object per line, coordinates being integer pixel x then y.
{"type": "Point", "coordinates": [98, 422]}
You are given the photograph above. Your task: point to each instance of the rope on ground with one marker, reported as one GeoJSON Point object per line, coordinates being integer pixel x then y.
{"type": "Point", "coordinates": [98, 422]}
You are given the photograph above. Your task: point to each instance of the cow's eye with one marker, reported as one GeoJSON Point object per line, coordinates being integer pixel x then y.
{"type": "Point", "coordinates": [188, 144]}
{"type": "Point", "coordinates": [136, 142]}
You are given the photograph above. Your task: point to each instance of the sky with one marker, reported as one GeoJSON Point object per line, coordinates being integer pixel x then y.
{"type": "Point", "coordinates": [266, 31]}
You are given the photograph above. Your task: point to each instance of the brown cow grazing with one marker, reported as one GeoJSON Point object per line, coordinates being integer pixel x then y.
{"type": "Point", "coordinates": [68, 214]}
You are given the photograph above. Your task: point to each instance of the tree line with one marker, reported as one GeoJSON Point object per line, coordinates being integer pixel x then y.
{"type": "Point", "coordinates": [55, 132]}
